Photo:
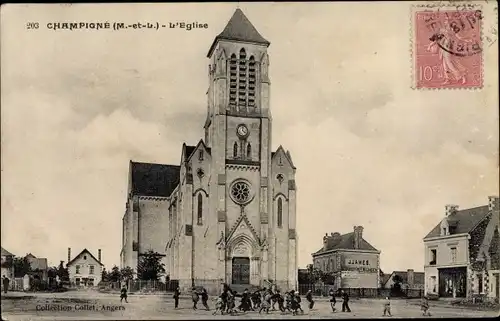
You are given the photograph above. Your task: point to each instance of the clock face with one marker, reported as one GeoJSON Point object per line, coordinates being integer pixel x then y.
{"type": "Point", "coordinates": [242, 130]}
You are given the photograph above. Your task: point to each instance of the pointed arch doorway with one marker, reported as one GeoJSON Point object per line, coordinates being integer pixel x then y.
{"type": "Point", "coordinates": [241, 270]}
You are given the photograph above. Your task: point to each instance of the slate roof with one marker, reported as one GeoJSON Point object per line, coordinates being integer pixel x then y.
{"type": "Point", "coordinates": [189, 150]}
{"type": "Point", "coordinates": [154, 179]}
{"type": "Point", "coordinates": [84, 251]}
{"type": "Point", "coordinates": [6, 253]}
{"type": "Point", "coordinates": [385, 278]}
{"type": "Point", "coordinates": [239, 28]}
{"type": "Point", "coordinates": [346, 242]}
{"type": "Point", "coordinates": [463, 220]}
{"type": "Point", "coordinates": [37, 263]}
{"type": "Point", "coordinates": [418, 277]}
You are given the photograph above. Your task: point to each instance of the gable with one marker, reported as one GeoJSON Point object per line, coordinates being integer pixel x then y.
{"type": "Point", "coordinates": [6, 253]}
{"type": "Point", "coordinates": [80, 258]}
{"type": "Point", "coordinates": [195, 150]}
{"type": "Point", "coordinates": [285, 156]}
{"type": "Point", "coordinates": [242, 224]}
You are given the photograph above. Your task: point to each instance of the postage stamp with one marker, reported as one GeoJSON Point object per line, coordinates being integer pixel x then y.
{"type": "Point", "coordinates": [447, 48]}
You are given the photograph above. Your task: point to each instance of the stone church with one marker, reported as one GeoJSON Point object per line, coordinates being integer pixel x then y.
{"type": "Point", "coordinates": [227, 212]}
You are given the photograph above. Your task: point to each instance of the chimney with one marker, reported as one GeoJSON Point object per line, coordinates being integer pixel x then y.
{"type": "Point", "coordinates": [99, 255]}
{"type": "Point", "coordinates": [410, 278]}
{"type": "Point", "coordinates": [69, 255]}
{"type": "Point", "coordinates": [358, 236]}
{"type": "Point", "coordinates": [493, 203]}
{"type": "Point", "coordinates": [450, 209]}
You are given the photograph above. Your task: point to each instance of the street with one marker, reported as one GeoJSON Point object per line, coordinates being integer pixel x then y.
{"type": "Point", "coordinates": [91, 305]}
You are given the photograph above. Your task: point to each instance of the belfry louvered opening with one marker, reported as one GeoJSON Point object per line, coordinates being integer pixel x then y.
{"type": "Point", "coordinates": [242, 80]}
{"type": "Point", "coordinates": [233, 78]}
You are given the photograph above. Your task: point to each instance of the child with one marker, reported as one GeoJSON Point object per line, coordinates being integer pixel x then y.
{"type": "Point", "coordinates": [123, 294]}
{"type": "Point", "coordinates": [309, 298]}
{"type": "Point", "coordinates": [298, 299]}
{"type": "Point", "coordinates": [280, 300]}
{"type": "Point", "coordinates": [387, 306]}
{"type": "Point", "coordinates": [266, 303]}
{"type": "Point", "coordinates": [425, 306]}
{"type": "Point", "coordinates": [204, 299]}
{"type": "Point", "coordinates": [177, 294]}
{"type": "Point", "coordinates": [195, 298]}
{"type": "Point", "coordinates": [219, 306]}
{"type": "Point", "coordinates": [332, 300]}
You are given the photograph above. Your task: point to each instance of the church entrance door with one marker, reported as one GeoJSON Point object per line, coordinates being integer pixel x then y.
{"type": "Point", "coordinates": [241, 270]}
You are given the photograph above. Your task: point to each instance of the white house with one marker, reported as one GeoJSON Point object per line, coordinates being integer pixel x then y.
{"type": "Point", "coordinates": [7, 267]}
{"type": "Point", "coordinates": [462, 257]}
{"type": "Point", "coordinates": [84, 269]}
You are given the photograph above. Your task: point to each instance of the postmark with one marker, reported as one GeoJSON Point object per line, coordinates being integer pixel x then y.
{"type": "Point", "coordinates": [447, 47]}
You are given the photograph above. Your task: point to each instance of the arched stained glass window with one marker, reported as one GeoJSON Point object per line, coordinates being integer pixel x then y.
{"type": "Point", "coordinates": [200, 209]}
{"type": "Point", "coordinates": [280, 212]}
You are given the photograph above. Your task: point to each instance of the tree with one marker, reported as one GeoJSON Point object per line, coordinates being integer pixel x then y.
{"type": "Point", "coordinates": [396, 287]}
{"type": "Point", "coordinates": [104, 276]}
{"type": "Point", "coordinates": [22, 266]}
{"type": "Point", "coordinates": [114, 275]}
{"type": "Point", "coordinates": [328, 278]}
{"type": "Point", "coordinates": [62, 272]}
{"type": "Point", "coordinates": [150, 266]}
{"type": "Point", "coordinates": [127, 273]}
{"type": "Point", "coordinates": [52, 272]}
{"type": "Point", "coordinates": [314, 274]}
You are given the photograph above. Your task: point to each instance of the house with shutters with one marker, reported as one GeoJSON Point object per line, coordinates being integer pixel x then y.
{"type": "Point", "coordinates": [353, 261]}
{"type": "Point", "coordinates": [462, 253]}
{"type": "Point", "coordinates": [85, 270]}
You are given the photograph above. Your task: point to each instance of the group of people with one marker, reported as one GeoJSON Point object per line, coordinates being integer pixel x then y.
{"type": "Point", "coordinates": [262, 300]}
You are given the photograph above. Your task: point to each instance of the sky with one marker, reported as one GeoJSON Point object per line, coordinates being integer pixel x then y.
{"type": "Point", "coordinates": [77, 106]}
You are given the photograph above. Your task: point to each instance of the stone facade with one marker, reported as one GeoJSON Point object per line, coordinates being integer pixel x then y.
{"type": "Point", "coordinates": [461, 253]}
{"type": "Point", "coordinates": [353, 262]}
{"type": "Point", "coordinates": [232, 211]}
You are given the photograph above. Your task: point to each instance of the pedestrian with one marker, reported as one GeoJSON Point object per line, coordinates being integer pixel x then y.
{"type": "Point", "coordinates": [332, 300]}
{"type": "Point", "coordinates": [230, 303]}
{"type": "Point", "coordinates": [195, 297]}
{"type": "Point", "coordinates": [387, 307]}
{"type": "Point", "coordinates": [425, 306]}
{"type": "Point", "coordinates": [5, 283]}
{"type": "Point", "coordinates": [280, 300]}
{"type": "Point", "coordinates": [123, 294]}
{"type": "Point", "coordinates": [309, 298]}
{"type": "Point", "coordinates": [345, 302]}
{"type": "Point", "coordinates": [204, 299]}
{"type": "Point", "coordinates": [177, 294]}
{"type": "Point", "coordinates": [266, 303]}
{"type": "Point", "coordinates": [298, 300]}
{"type": "Point", "coordinates": [219, 306]}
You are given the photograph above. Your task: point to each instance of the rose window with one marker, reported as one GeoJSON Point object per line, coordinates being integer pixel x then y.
{"type": "Point", "coordinates": [240, 192]}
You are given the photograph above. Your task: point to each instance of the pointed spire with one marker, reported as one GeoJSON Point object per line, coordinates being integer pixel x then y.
{"type": "Point", "coordinates": [239, 28]}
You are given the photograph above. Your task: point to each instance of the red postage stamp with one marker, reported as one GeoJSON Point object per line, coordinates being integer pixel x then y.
{"type": "Point", "coordinates": [447, 49]}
